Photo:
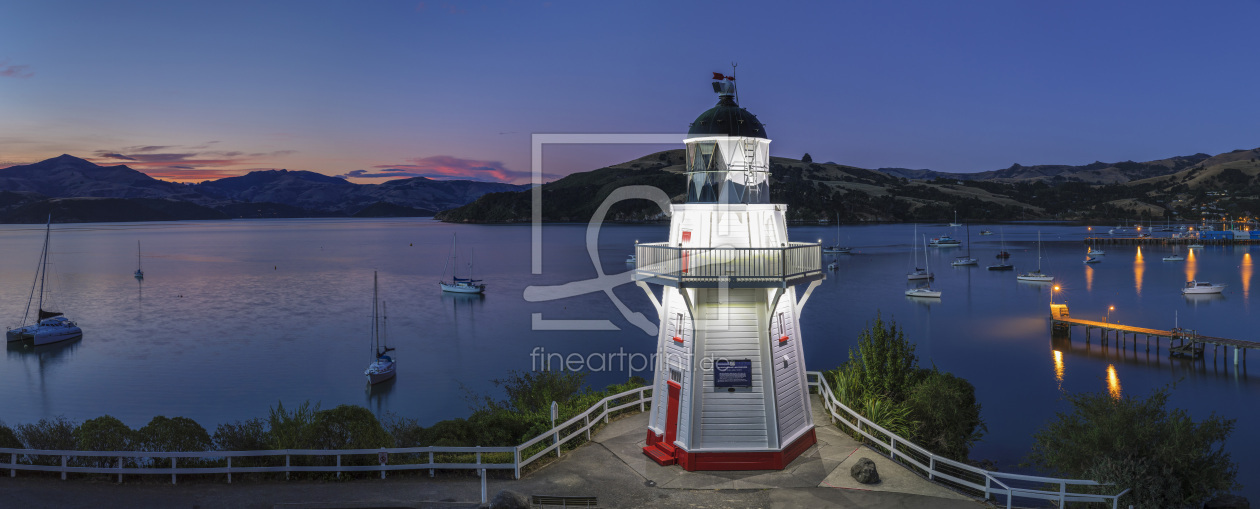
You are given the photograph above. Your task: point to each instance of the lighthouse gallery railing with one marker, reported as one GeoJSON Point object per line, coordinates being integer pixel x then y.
{"type": "Point", "coordinates": [793, 263]}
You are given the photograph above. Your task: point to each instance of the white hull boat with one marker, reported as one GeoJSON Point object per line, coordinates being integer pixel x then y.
{"type": "Point", "coordinates": [461, 284]}
{"type": "Point", "coordinates": [1036, 276]}
{"type": "Point", "coordinates": [1201, 288]}
{"type": "Point", "coordinates": [963, 261]}
{"type": "Point", "coordinates": [924, 293]}
{"type": "Point", "coordinates": [837, 248]}
{"type": "Point", "coordinates": [383, 366]}
{"type": "Point", "coordinates": [50, 326]}
{"type": "Point", "coordinates": [1090, 259]}
{"type": "Point", "coordinates": [917, 273]}
{"type": "Point", "coordinates": [1174, 258]}
{"type": "Point", "coordinates": [631, 260]}
{"type": "Point", "coordinates": [1195, 246]}
{"type": "Point", "coordinates": [49, 330]}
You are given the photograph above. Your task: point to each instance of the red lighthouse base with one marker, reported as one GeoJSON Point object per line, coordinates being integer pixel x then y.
{"type": "Point", "coordinates": [668, 454]}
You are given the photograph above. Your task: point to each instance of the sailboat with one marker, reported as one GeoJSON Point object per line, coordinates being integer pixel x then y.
{"type": "Point", "coordinates": [382, 367]}
{"type": "Point", "coordinates": [1093, 249]}
{"type": "Point", "coordinates": [955, 224]}
{"type": "Point", "coordinates": [1175, 257]}
{"type": "Point", "coordinates": [924, 291]}
{"type": "Point", "coordinates": [837, 248]}
{"type": "Point", "coordinates": [1036, 275]}
{"type": "Point", "coordinates": [965, 260]}
{"type": "Point", "coordinates": [1002, 256]}
{"type": "Point", "coordinates": [460, 284]}
{"type": "Point", "coordinates": [917, 273]}
{"type": "Point", "coordinates": [50, 326]}
{"type": "Point", "coordinates": [139, 268]}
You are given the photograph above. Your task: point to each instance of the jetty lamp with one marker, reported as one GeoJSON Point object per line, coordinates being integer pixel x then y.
{"type": "Point", "coordinates": [1053, 289]}
{"type": "Point", "coordinates": [1109, 310]}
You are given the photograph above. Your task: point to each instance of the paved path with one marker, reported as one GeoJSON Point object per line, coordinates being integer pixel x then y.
{"type": "Point", "coordinates": [612, 468]}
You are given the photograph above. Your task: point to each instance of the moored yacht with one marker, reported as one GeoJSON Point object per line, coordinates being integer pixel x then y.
{"type": "Point", "coordinates": [50, 326]}
{"type": "Point", "coordinates": [1201, 287]}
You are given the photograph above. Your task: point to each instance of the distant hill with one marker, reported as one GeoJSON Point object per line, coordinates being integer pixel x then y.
{"type": "Point", "coordinates": [814, 191]}
{"type": "Point", "coordinates": [64, 184]}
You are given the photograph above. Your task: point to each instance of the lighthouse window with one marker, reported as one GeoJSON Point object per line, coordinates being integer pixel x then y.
{"type": "Point", "coordinates": [675, 375]}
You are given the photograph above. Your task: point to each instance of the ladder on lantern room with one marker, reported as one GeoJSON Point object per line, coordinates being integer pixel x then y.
{"type": "Point", "coordinates": [751, 191]}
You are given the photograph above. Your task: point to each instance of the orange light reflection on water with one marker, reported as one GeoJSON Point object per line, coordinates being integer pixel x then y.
{"type": "Point", "coordinates": [1089, 278]}
{"type": "Point", "coordinates": [1139, 268]}
{"type": "Point", "coordinates": [1192, 266]}
{"type": "Point", "coordinates": [1058, 367]}
{"type": "Point", "coordinates": [1113, 382]}
{"type": "Point", "coordinates": [1246, 275]}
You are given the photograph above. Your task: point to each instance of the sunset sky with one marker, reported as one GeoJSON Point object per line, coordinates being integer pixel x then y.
{"type": "Point", "coordinates": [191, 91]}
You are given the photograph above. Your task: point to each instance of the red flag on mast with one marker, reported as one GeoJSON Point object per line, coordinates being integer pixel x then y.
{"type": "Point", "coordinates": [718, 76]}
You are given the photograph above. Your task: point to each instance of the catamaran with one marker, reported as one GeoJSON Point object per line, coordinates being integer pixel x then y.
{"type": "Point", "coordinates": [460, 284]}
{"type": "Point", "coordinates": [1036, 275]}
{"type": "Point", "coordinates": [383, 366]}
{"type": "Point", "coordinates": [49, 326]}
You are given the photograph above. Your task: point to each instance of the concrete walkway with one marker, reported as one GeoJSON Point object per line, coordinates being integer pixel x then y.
{"type": "Point", "coordinates": [612, 468]}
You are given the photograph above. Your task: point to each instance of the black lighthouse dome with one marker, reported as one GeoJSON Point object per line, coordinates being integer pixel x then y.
{"type": "Point", "coordinates": [727, 118]}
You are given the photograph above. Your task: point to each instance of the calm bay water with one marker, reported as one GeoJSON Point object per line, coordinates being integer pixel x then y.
{"type": "Point", "coordinates": [234, 316]}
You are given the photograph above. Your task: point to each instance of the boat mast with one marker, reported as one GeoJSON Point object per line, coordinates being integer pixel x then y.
{"type": "Point", "coordinates": [375, 322]}
{"type": "Point", "coordinates": [43, 267]}
{"type": "Point", "coordinates": [138, 262]}
{"type": "Point", "coordinates": [927, 267]}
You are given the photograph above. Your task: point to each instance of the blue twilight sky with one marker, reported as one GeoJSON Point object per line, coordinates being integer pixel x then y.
{"type": "Point", "coordinates": [198, 90]}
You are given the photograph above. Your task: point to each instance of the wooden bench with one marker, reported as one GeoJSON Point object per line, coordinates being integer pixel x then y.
{"type": "Point", "coordinates": [549, 501]}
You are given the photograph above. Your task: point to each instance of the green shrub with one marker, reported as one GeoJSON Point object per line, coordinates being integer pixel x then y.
{"type": "Point", "coordinates": [8, 439]}
{"type": "Point", "coordinates": [944, 407]}
{"type": "Point", "coordinates": [533, 391]}
{"type": "Point", "coordinates": [49, 434]}
{"type": "Point", "coordinates": [884, 362]}
{"type": "Point", "coordinates": [1163, 455]}
{"type": "Point", "coordinates": [892, 416]}
{"type": "Point", "coordinates": [167, 434]}
{"type": "Point", "coordinates": [248, 435]}
{"type": "Point", "coordinates": [285, 428]}
{"type": "Point", "coordinates": [406, 431]}
{"type": "Point", "coordinates": [104, 433]}
{"type": "Point", "coordinates": [345, 427]}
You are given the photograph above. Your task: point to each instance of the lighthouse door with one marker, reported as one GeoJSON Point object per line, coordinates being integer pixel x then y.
{"type": "Point", "coordinates": [671, 412]}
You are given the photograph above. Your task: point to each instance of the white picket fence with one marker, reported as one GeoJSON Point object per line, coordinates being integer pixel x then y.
{"type": "Point", "coordinates": [991, 484]}
{"type": "Point", "coordinates": [939, 468]}
{"type": "Point", "coordinates": [559, 435]}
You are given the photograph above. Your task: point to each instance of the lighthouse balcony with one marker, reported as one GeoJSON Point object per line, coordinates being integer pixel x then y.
{"type": "Point", "coordinates": [728, 267]}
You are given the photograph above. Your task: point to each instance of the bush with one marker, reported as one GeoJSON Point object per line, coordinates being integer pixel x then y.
{"type": "Point", "coordinates": [948, 416]}
{"type": "Point", "coordinates": [8, 439]}
{"type": "Point", "coordinates": [166, 434]}
{"type": "Point", "coordinates": [345, 427]}
{"type": "Point", "coordinates": [884, 362]}
{"type": "Point", "coordinates": [533, 391]}
{"type": "Point", "coordinates": [1163, 455]}
{"type": "Point", "coordinates": [50, 434]}
{"type": "Point", "coordinates": [285, 428]}
{"type": "Point", "coordinates": [105, 433]}
{"type": "Point", "coordinates": [882, 382]}
{"type": "Point", "coordinates": [250, 435]}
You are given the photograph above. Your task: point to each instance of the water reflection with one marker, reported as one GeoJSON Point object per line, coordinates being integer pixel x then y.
{"type": "Point", "coordinates": [1197, 299]}
{"type": "Point", "coordinates": [1192, 266]}
{"type": "Point", "coordinates": [1089, 278]}
{"type": "Point", "coordinates": [378, 395]}
{"type": "Point", "coordinates": [1113, 382]}
{"type": "Point", "coordinates": [1246, 275]}
{"type": "Point", "coordinates": [1058, 368]}
{"type": "Point", "coordinates": [1139, 268]}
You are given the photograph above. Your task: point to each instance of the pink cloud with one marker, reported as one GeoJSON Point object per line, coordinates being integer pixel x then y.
{"type": "Point", "coordinates": [15, 71]}
{"type": "Point", "coordinates": [444, 168]}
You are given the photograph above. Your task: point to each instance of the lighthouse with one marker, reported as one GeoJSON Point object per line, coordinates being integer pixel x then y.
{"type": "Point", "coordinates": [729, 385]}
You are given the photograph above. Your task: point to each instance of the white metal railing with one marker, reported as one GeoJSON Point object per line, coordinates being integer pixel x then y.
{"type": "Point", "coordinates": [749, 265]}
{"type": "Point", "coordinates": [941, 468]}
{"type": "Point", "coordinates": [601, 411]}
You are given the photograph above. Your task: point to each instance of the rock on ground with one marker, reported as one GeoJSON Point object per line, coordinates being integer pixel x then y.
{"type": "Point", "coordinates": [508, 499]}
{"type": "Point", "coordinates": [864, 471]}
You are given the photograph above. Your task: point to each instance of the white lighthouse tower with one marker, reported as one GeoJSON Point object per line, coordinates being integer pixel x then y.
{"type": "Point", "coordinates": [730, 373]}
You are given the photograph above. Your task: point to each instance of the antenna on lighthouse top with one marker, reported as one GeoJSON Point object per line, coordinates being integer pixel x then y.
{"type": "Point", "coordinates": [733, 66]}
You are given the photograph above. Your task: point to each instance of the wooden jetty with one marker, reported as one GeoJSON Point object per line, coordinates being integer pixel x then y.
{"type": "Point", "coordinates": [1181, 341]}
{"type": "Point", "coordinates": [1164, 241]}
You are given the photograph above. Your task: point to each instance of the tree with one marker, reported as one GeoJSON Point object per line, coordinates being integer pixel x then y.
{"type": "Point", "coordinates": [806, 158]}
{"type": "Point", "coordinates": [948, 415]}
{"type": "Point", "coordinates": [886, 364]}
{"type": "Point", "coordinates": [346, 427]}
{"type": "Point", "coordinates": [165, 434]}
{"type": "Point", "coordinates": [1162, 455]}
{"type": "Point", "coordinates": [104, 433]}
